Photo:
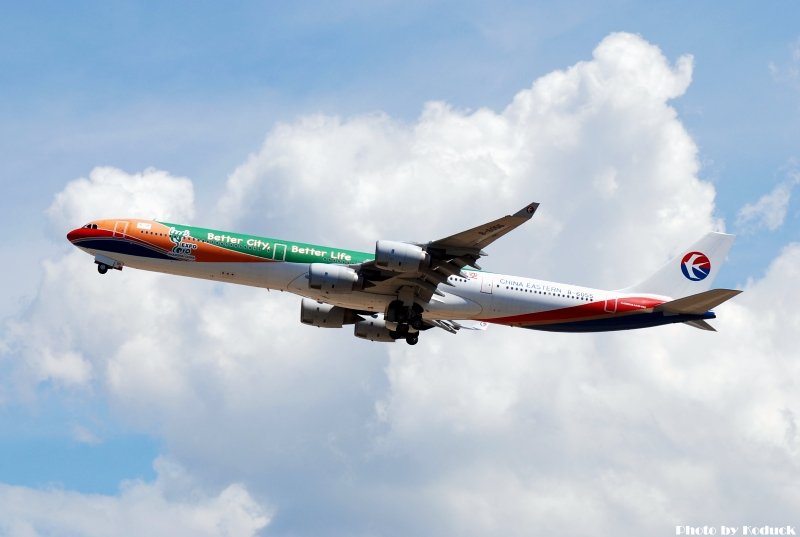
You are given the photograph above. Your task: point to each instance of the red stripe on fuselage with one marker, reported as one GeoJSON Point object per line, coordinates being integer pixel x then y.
{"type": "Point", "coordinates": [583, 312]}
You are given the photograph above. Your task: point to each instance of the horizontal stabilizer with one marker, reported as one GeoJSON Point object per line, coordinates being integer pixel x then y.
{"type": "Point", "coordinates": [699, 303]}
{"type": "Point", "coordinates": [701, 324]}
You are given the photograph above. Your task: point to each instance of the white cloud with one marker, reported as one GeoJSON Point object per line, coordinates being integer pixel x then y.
{"type": "Point", "coordinates": [790, 71]}
{"type": "Point", "coordinates": [150, 194]}
{"type": "Point", "coordinates": [140, 509]}
{"type": "Point", "coordinates": [84, 435]}
{"type": "Point", "coordinates": [44, 348]}
{"type": "Point", "coordinates": [604, 125]}
{"type": "Point", "coordinates": [769, 211]}
{"type": "Point", "coordinates": [508, 431]}
{"type": "Point", "coordinates": [653, 426]}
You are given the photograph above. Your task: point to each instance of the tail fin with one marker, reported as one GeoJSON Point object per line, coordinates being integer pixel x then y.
{"type": "Point", "coordinates": [690, 272]}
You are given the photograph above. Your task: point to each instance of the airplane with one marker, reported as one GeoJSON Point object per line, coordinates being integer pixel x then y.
{"type": "Point", "coordinates": [402, 288]}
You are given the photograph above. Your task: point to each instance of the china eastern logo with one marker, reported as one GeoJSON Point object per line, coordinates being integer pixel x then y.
{"type": "Point", "coordinates": [695, 266]}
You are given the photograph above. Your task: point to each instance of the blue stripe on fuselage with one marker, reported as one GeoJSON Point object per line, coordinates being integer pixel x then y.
{"type": "Point", "coordinates": [620, 322]}
{"type": "Point", "coordinates": [121, 246]}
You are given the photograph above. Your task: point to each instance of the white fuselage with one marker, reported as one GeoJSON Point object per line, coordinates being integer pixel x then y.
{"type": "Point", "coordinates": [479, 296]}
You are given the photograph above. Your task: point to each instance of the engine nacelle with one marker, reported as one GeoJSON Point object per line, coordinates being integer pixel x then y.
{"type": "Point", "coordinates": [399, 256]}
{"type": "Point", "coordinates": [331, 278]}
{"type": "Point", "coordinates": [373, 330]}
{"type": "Point", "coordinates": [325, 315]}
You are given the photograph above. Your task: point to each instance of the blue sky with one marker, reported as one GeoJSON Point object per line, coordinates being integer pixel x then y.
{"type": "Point", "coordinates": [194, 88]}
{"type": "Point", "coordinates": [135, 86]}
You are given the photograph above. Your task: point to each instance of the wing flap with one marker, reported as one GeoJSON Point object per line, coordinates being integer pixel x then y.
{"type": "Point", "coordinates": [454, 326]}
{"type": "Point", "coordinates": [471, 325]}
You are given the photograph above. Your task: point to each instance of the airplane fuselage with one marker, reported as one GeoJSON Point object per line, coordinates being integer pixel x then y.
{"type": "Point", "coordinates": [472, 295]}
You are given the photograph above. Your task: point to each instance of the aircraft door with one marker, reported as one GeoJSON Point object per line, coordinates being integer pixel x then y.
{"type": "Point", "coordinates": [120, 228]}
{"type": "Point", "coordinates": [611, 305]}
{"type": "Point", "coordinates": [279, 252]}
{"type": "Point", "coordinates": [486, 284]}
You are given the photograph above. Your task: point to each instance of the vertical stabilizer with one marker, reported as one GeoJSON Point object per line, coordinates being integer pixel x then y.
{"type": "Point", "coordinates": [690, 272]}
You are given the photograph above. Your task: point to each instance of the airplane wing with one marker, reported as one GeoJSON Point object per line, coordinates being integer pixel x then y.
{"type": "Point", "coordinates": [444, 258]}
{"type": "Point", "coordinates": [472, 241]}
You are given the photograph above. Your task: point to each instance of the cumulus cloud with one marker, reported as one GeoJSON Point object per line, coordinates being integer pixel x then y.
{"type": "Point", "coordinates": [140, 509]}
{"type": "Point", "coordinates": [769, 211]}
{"type": "Point", "coordinates": [44, 350]}
{"type": "Point", "coordinates": [508, 431]}
{"type": "Point", "coordinates": [150, 194]}
{"type": "Point", "coordinates": [658, 427]}
{"type": "Point", "coordinates": [604, 124]}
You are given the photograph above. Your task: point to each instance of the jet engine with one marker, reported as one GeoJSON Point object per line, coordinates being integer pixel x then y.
{"type": "Point", "coordinates": [399, 256]}
{"type": "Point", "coordinates": [373, 330]}
{"type": "Point", "coordinates": [331, 278]}
{"type": "Point", "coordinates": [325, 315]}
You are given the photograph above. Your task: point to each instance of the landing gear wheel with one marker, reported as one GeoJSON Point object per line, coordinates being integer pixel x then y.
{"type": "Point", "coordinates": [415, 317]}
{"type": "Point", "coordinates": [102, 268]}
{"type": "Point", "coordinates": [412, 340]}
{"type": "Point", "coordinates": [397, 312]}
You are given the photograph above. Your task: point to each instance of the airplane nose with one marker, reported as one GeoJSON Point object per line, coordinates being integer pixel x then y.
{"type": "Point", "coordinates": [72, 235]}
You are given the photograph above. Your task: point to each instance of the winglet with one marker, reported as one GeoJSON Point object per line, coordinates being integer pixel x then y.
{"type": "Point", "coordinates": [527, 211]}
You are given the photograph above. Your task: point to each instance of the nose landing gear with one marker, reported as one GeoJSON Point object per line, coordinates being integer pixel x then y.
{"type": "Point", "coordinates": [105, 263]}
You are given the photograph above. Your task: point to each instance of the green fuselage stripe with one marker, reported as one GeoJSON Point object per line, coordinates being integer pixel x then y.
{"type": "Point", "coordinates": [269, 248]}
